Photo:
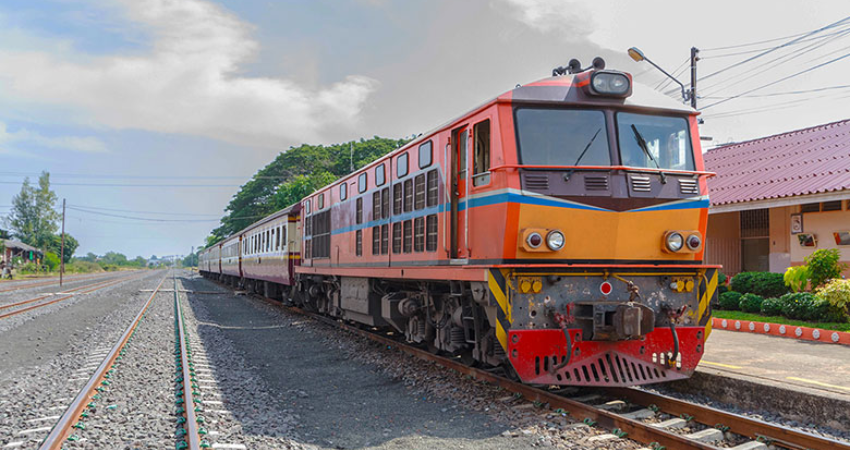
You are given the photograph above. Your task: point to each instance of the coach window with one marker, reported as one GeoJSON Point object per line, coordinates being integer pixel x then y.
{"type": "Point", "coordinates": [425, 154]}
{"type": "Point", "coordinates": [343, 191]}
{"type": "Point", "coordinates": [362, 182]}
{"type": "Point", "coordinates": [277, 234]}
{"type": "Point", "coordinates": [481, 163]}
{"type": "Point", "coordinates": [401, 165]}
{"type": "Point", "coordinates": [380, 175]}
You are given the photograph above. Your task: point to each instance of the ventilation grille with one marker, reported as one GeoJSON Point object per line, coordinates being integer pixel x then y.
{"type": "Point", "coordinates": [536, 181]}
{"type": "Point", "coordinates": [596, 183]}
{"type": "Point", "coordinates": [641, 184]}
{"type": "Point", "coordinates": [689, 187]}
{"type": "Point", "coordinates": [610, 369]}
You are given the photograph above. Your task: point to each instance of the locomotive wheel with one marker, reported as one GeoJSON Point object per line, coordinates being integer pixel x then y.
{"type": "Point", "coordinates": [468, 360]}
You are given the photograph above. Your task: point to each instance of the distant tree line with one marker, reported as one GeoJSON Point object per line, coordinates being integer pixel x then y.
{"type": "Point", "coordinates": [293, 175]}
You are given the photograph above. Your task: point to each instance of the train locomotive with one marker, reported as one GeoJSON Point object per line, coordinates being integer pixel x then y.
{"type": "Point", "coordinates": [556, 231]}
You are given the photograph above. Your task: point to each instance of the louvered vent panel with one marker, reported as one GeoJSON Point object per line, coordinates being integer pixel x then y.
{"type": "Point", "coordinates": [641, 184]}
{"type": "Point", "coordinates": [536, 181]}
{"type": "Point", "coordinates": [596, 183]}
{"type": "Point", "coordinates": [688, 187]}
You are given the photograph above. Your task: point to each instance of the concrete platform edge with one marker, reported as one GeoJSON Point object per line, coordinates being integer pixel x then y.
{"type": "Point", "coordinates": [780, 330]}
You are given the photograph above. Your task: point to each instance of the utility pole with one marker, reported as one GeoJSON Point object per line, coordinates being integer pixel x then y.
{"type": "Point", "coordinates": [694, 59]}
{"type": "Point", "coordinates": [62, 251]}
{"type": "Point", "coordinates": [351, 155]}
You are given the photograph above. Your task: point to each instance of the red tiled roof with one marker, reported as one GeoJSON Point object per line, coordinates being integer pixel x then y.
{"type": "Point", "coordinates": [808, 161]}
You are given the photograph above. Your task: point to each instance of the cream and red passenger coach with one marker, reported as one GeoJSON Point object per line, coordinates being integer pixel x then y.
{"type": "Point", "coordinates": [556, 230]}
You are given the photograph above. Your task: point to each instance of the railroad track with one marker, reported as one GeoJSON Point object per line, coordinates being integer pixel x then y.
{"type": "Point", "coordinates": [633, 413]}
{"type": "Point", "coordinates": [27, 284]}
{"type": "Point", "coordinates": [74, 416]}
{"type": "Point", "coordinates": [59, 297]}
{"type": "Point", "coordinates": [186, 384]}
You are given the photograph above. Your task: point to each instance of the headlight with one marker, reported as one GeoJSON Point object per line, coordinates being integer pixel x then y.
{"type": "Point", "coordinates": [694, 242]}
{"type": "Point", "coordinates": [610, 83]}
{"type": "Point", "coordinates": [675, 241]}
{"type": "Point", "coordinates": [555, 240]}
{"type": "Point", "coordinates": [534, 240]}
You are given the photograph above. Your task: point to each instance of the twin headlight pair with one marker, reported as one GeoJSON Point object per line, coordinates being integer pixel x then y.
{"type": "Point", "coordinates": [554, 240]}
{"type": "Point", "coordinates": [682, 241]}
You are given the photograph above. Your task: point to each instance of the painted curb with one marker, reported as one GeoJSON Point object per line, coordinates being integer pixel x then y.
{"type": "Point", "coordinates": [788, 331]}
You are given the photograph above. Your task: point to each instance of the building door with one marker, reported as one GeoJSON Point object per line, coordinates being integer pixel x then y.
{"type": "Point", "coordinates": [755, 240]}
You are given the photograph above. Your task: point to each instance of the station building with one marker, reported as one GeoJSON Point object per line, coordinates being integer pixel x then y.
{"type": "Point", "coordinates": [777, 199]}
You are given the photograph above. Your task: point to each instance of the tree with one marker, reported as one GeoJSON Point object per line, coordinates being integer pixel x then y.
{"type": "Point", "coordinates": [34, 219]}
{"type": "Point", "coordinates": [71, 245]}
{"type": "Point", "coordinates": [114, 258]}
{"type": "Point", "coordinates": [191, 260]}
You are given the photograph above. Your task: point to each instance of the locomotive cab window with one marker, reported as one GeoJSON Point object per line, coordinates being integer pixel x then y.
{"type": "Point", "coordinates": [562, 137]}
{"type": "Point", "coordinates": [361, 183]}
{"type": "Point", "coordinates": [401, 165]}
{"type": "Point", "coordinates": [426, 151]}
{"type": "Point", "coordinates": [654, 141]}
{"type": "Point", "coordinates": [481, 154]}
{"type": "Point", "coordinates": [320, 201]}
{"type": "Point", "coordinates": [343, 191]}
{"type": "Point", "coordinates": [380, 175]}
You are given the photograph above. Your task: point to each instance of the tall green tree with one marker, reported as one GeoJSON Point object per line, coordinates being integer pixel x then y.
{"type": "Point", "coordinates": [71, 245]}
{"type": "Point", "coordinates": [34, 219]}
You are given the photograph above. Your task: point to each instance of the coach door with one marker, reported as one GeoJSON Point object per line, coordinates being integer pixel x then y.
{"type": "Point", "coordinates": [459, 192]}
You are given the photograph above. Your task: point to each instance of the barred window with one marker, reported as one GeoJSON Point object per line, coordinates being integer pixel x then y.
{"type": "Point", "coordinates": [408, 196]}
{"type": "Point", "coordinates": [397, 195]}
{"type": "Point", "coordinates": [376, 240]}
{"type": "Point", "coordinates": [322, 235]}
{"type": "Point", "coordinates": [431, 228]}
{"type": "Point", "coordinates": [385, 203]}
{"type": "Point", "coordinates": [419, 234]}
{"type": "Point", "coordinates": [376, 205]}
{"type": "Point", "coordinates": [408, 235]}
{"type": "Point", "coordinates": [307, 247]}
{"type": "Point", "coordinates": [385, 239]}
{"type": "Point", "coordinates": [419, 202]}
{"type": "Point", "coordinates": [358, 250]}
{"type": "Point", "coordinates": [308, 226]}
{"type": "Point", "coordinates": [397, 237]}
{"type": "Point", "coordinates": [359, 215]}
{"type": "Point", "coordinates": [433, 188]}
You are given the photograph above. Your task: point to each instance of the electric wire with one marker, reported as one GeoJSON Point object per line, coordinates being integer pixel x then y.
{"type": "Point", "coordinates": [747, 52]}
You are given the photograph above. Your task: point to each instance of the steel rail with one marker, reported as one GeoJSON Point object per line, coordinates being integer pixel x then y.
{"type": "Point", "coordinates": [56, 439]}
{"type": "Point", "coordinates": [636, 430]}
{"type": "Point", "coordinates": [26, 284]}
{"type": "Point", "coordinates": [194, 439]}
{"type": "Point", "coordinates": [94, 287]}
{"type": "Point", "coordinates": [43, 296]}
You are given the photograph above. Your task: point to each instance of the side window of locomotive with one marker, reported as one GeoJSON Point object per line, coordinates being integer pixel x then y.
{"type": "Point", "coordinates": [401, 165]}
{"type": "Point", "coordinates": [397, 237]}
{"type": "Point", "coordinates": [343, 191]}
{"type": "Point", "coordinates": [562, 137]}
{"type": "Point", "coordinates": [408, 195]}
{"type": "Point", "coordinates": [376, 205]}
{"type": "Point", "coordinates": [380, 175]}
{"type": "Point", "coordinates": [419, 196]}
{"type": "Point", "coordinates": [426, 153]}
{"type": "Point", "coordinates": [385, 203]}
{"type": "Point", "coordinates": [668, 143]}
{"type": "Point", "coordinates": [362, 182]}
{"type": "Point", "coordinates": [481, 154]}
{"type": "Point", "coordinates": [320, 201]}
{"type": "Point", "coordinates": [433, 188]}
{"type": "Point", "coordinates": [307, 206]}
{"type": "Point", "coordinates": [463, 142]}
{"type": "Point", "coordinates": [359, 244]}
{"type": "Point", "coordinates": [397, 195]}
{"type": "Point", "coordinates": [359, 213]}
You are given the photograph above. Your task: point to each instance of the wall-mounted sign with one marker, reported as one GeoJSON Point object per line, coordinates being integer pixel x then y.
{"type": "Point", "coordinates": [807, 240]}
{"type": "Point", "coordinates": [796, 223]}
{"type": "Point", "coordinates": [842, 237]}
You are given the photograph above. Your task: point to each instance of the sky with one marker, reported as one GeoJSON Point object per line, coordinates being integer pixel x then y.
{"type": "Point", "coordinates": [149, 114]}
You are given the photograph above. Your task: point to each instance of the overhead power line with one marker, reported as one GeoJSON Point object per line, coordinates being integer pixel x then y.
{"type": "Point", "coordinates": [137, 185]}
{"type": "Point", "coordinates": [778, 94]}
{"type": "Point", "coordinates": [756, 50]}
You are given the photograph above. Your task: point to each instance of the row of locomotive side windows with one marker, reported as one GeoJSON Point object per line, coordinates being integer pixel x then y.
{"type": "Point", "coordinates": [270, 240]}
{"type": "Point", "coordinates": [412, 235]}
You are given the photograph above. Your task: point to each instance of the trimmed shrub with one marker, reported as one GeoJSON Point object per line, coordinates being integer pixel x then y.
{"type": "Point", "coordinates": [730, 300]}
{"type": "Point", "coordinates": [743, 282]}
{"type": "Point", "coordinates": [769, 284]}
{"type": "Point", "coordinates": [751, 303]}
{"type": "Point", "coordinates": [837, 293]}
{"type": "Point", "coordinates": [721, 283]}
{"type": "Point", "coordinates": [822, 311]}
{"type": "Point", "coordinates": [797, 305]}
{"type": "Point", "coordinates": [771, 307]}
{"type": "Point", "coordinates": [823, 266]}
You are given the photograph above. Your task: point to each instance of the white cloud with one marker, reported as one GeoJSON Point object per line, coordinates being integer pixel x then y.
{"type": "Point", "coordinates": [570, 20]}
{"type": "Point", "coordinates": [73, 143]}
{"type": "Point", "coordinates": [188, 82]}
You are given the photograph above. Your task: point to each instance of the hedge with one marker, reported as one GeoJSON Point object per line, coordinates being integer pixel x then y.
{"type": "Point", "coordinates": [751, 303]}
{"type": "Point", "coordinates": [730, 300]}
{"type": "Point", "coordinates": [764, 284]}
{"type": "Point", "coordinates": [771, 307]}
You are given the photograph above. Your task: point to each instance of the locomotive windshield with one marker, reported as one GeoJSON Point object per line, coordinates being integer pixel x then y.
{"type": "Point", "coordinates": [654, 141]}
{"type": "Point", "coordinates": [562, 137]}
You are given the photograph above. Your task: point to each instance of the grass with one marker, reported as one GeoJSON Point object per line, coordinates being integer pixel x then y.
{"type": "Point", "coordinates": [740, 315]}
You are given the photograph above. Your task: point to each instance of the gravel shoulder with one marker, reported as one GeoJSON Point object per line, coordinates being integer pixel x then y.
{"type": "Point", "coordinates": [334, 390]}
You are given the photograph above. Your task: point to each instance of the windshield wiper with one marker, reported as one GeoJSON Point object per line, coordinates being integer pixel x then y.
{"type": "Point", "coordinates": [586, 148]}
{"type": "Point", "coordinates": [642, 144]}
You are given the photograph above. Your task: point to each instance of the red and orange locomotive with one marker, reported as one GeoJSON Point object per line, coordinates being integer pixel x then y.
{"type": "Point", "coordinates": [556, 230]}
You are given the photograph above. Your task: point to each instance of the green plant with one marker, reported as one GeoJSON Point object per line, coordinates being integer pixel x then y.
{"type": "Point", "coordinates": [797, 305]}
{"type": "Point", "coordinates": [721, 283]}
{"type": "Point", "coordinates": [796, 278]}
{"type": "Point", "coordinates": [771, 307]}
{"type": "Point", "coordinates": [768, 284]}
{"type": "Point", "coordinates": [823, 266]}
{"type": "Point", "coordinates": [743, 282]}
{"type": "Point", "coordinates": [730, 300]}
{"type": "Point", "coordinates": [837, 294]}
{"type": "Point", "coordinates": [51, 260]}
{"type": "Point", "coordinates": [751, 303]}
